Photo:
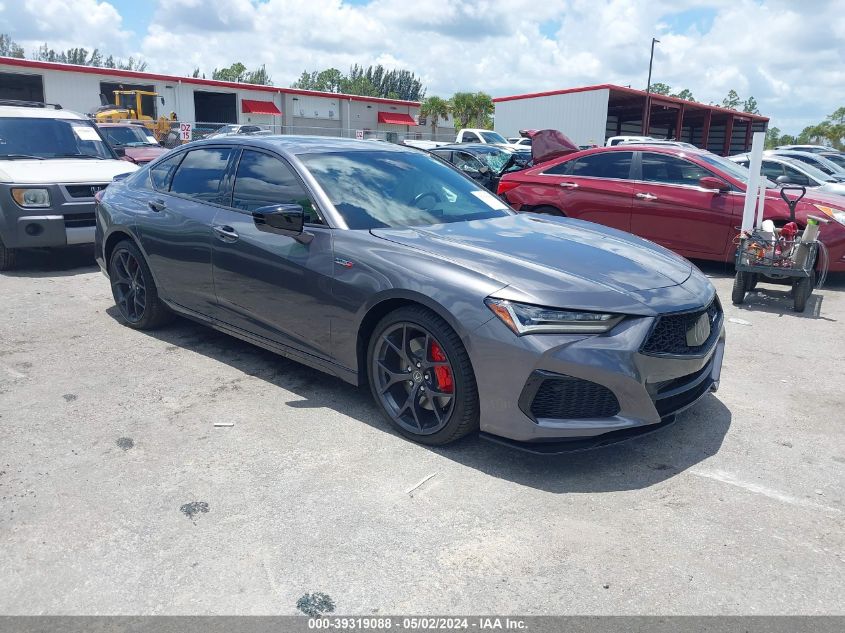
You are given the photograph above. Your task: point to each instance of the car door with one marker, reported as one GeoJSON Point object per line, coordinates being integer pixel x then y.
{"type": "Point", "coordinates": [672, 209]}
{"type": "Point", "coordinates": [268, 283]}
{"type": "Point", "coordinates": [595, 187]}
{"type": "Point", "coordinates": [175, 228]}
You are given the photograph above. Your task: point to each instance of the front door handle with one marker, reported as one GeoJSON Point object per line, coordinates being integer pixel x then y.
{"type": "Point", "coordinates": [568, 185]}
{"type": "Point", "coordinates": [646, 196]}
{"type": "Point", "coordinates": [157, 205]}
{"type": "Point", "coordinates": [225, 233]}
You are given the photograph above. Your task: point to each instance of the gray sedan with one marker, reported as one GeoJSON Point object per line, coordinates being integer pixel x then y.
{"type": "Point", "coordinates": [387, 267]}
{"type": "Point", "coordinates": [787, 170]}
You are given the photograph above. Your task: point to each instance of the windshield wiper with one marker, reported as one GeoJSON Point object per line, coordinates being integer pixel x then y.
{"type": "Point", "coordinates": [21, 156]}
{"type": "Point", "coordinates": [78, 156]}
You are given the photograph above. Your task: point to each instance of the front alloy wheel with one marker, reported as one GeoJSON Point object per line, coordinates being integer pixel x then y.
{"type": "Point", "coordinates": [134, 289]}
{"type": "Point", "coordinates": [421, 377]}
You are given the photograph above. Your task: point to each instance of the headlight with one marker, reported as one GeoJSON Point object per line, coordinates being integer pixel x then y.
{"type": "Point", "coordinates": [836, 214]}
{"type": "Point", "coordinates": [527, 319]}
{"type": "Point", "coordinates": [38, 198]}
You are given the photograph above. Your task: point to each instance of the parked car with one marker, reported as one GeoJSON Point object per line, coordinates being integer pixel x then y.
{"type": "Point", "coordinates": [816, 160]}
{"type": "Point", "coordinates": [837, 158]}
{"type": "Point", "coordinates": [520, 141]}
{"type": "Point", "coordinates": [616, 140]}
{"type": "Point", "coordinates": [814, 149]}
{"type": "Point", "coordinates": [385, 266]}
{"type": "Point", "coordinates": [133, 142]}
{"type": "Point", "coordinates": [233, 130]}
{"type": "Point", "coordinates": [486, 137]}
{"type": "Point", "coordinates": [783, 170]}
{"type": "Point", "coordinates": [52, 162]}
{"type": "Point", "coordinates": [690, 201]}
{"type": "Point", "coordinates": [683, 144]}
{"type": "Point", "coordinates": [484, 163]}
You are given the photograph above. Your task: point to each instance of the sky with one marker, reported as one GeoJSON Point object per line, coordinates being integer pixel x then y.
{"type": "Point", "coordinates": [789, 55]}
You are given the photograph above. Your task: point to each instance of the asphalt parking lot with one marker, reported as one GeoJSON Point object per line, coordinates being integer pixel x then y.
{"type": "Point", "coordinates": [119, 495]}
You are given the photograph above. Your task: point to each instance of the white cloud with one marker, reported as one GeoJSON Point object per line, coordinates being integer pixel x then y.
{"type": "Point", "coordinates": [788, 55]}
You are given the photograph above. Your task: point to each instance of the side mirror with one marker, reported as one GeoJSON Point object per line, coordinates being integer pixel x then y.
{"type": "Point", "coordinates": [289, 218]}
{"type": "Point", "coordinates": [483, 170]}
{"type": "Point", "coordinates": [714, 184]}
{"type": "Point", "coordinates": [120, 151]}
{"type": "Point", "coordinates": [783, 180]}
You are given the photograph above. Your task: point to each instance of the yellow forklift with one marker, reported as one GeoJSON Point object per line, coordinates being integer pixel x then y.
{"type": "Point", "coordinates": [128, 106]}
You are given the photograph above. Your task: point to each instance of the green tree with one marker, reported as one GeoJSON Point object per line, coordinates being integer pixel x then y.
{"type": "Point", "coordinates": [258, 77]}
{"type": "Point", "coordinates": [462, 105]}
{"type": "Point", "coordinates": [434, 109]}
{"type": "Point", "coordinates": [685, 94]}
{"type": "Point", "coordinates": [483, 110]}
{"type": "Point", "coordinates": [772, 138]}
{"type": "Point", "coordinates": [235, 72]}
{"type": "Point", "coordinates": [731, 101]}
{"type": "Point", "coordinates": [372, 81]}
{"type": "Point", "coordinates": [659, 88]}
{"type": "Point", "coordinates": [750, 106]}
{"type": "Point", "coordinates": [9, 47]}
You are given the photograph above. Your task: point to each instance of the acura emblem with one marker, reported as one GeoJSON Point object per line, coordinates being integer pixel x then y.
{"type": "Point", "coordinates": [95, 189]}
{"type": "Point", "coordinates": [699, 332]}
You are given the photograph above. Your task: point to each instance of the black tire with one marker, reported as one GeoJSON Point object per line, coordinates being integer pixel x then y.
{"type": "Point", "coordinates": [740, 285]}
{"type": "Point", "coordinates": [134, 290]}
{"type": "Point", "coordinates": [549, 211]}
{"type": "Point", "coordinates": [462, 414]}
{"type": "Point", "coordinates": [8, 257]}
{"type": "Point", "coordinates": [801, 291]}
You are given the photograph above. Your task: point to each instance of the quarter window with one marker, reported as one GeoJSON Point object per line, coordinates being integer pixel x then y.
{"type": "Point", "coordinates": [263, 180]}
{"type": "Point", "coordinates": [601, 165]}
{"type": "Point", "coordinates": [671, 170]}
{"type": "Point", "coordinates": [201, 175]}
{"type": "Point", "coordinates": [162, 172]}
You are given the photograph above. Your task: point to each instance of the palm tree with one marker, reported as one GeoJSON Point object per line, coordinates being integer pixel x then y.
{"type": "Point", "coordinates": [483, 109]}
{"type": "Point", "coordinates": [463, 108]}
{"type": "Point", "coordinates": [434, 109]}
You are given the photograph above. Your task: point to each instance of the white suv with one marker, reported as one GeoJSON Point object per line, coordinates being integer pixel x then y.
{"type": "Point", "coordinates": [52, 163]}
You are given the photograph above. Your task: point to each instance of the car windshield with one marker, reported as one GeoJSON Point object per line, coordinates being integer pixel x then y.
{"type": "Point", "coordinates": [128, 136]}
{"type": "Point", "coordinates": [731, 168]}
{"type": "Point", "coordinates": [494, 157]}
{"type": "Point", "coordinates": [50, 138]}
{"type": "Point", "coordinates": [372, 189]}
{"type": "Point", "coordinates": [493, 137]}
{"type": "Point", "coordinates": [839, 159]}
{"type": "Point", "coordinates": [813, 171]}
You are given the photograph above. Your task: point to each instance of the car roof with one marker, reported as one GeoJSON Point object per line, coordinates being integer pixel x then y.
{"type": "Point", "coordinates": [132, 125]}
{"type": "Point", "coordinates": [479, 146]}
{"type": "Point", "coordinates": [305, 144]}
{"type": "Point", "coordinates": [662, 148]}
{"type": "Point", "coordinates": [26, 112]}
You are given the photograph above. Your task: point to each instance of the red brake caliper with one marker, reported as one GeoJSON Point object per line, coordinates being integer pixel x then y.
{"type": "Point", "coordinates": [441, 372]}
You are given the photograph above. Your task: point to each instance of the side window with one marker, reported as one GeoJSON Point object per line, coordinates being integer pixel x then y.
{"type": "Point", "coordinates": [467, 162]}
{"type": "Point", "coordinates": [444, 154]}
{"type": "Point", "coordinates": [771, 170]}
{"type": "Point", "coordinates": [601, 165]}
{"type": "Point", "coordinates": [201, 175]}
{"type": "Point", "coordinates": [162, 173]}
{"type": "Point", "coordinates": [263, 180]}
{"type": "Point", "coordinates": [469, 137]}
{"type": "Point", "coordinates": [671, 170]}
{"type": "Point", "coordinates": [796, 177]}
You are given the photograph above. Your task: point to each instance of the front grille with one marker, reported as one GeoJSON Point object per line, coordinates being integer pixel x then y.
{"type": "Point", "coordinates": [671, 404]}
{"type": "Point", "coordinates": [85, 191]}
{"type": "Point", "coordinates": [563, 397]}
{"type": "Point", "coordinates": [79, 220]}
{"type": "Point", "coordinates": [669, 334]}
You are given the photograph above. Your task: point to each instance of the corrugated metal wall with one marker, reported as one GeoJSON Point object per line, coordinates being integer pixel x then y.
{"type": "Point", "coordinates": [582, 116]}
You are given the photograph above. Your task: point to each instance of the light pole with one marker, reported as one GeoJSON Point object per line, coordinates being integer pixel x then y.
{"type": "Point", "coordinates": [650, 62]}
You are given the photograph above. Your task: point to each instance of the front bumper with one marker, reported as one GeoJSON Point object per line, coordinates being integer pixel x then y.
{"type": "Point", "coordinates": [69, 220]}
{"type": "Point", "coordinates": [631, 392]}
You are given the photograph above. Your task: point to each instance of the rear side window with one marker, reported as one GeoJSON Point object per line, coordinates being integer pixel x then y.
{"type": "Point", "coordinates": [263, 180]}
{"type": "Point", "coordinates": [602, 165]}
{"type": "Point", "coordinates": [469, 137]}
{"type": "Point", "coordinates": [771, 169]}
{"type": "Point", "coordinates": [201, 175]}
{"type": "Point", "coordinates": [162, 172]}
{"type": "Point", "coordinates": [671, 170]}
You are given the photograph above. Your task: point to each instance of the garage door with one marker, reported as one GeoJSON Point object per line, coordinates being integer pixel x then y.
{"type": "Point", "coordinates": [215, 107]}
{"type": "Point", "coordinates": [21, 87]}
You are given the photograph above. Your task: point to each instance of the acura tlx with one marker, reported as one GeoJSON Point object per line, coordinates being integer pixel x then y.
{"type": "Point", "coordinates": [387, 267]}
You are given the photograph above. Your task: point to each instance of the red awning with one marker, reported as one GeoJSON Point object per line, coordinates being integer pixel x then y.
{"type": "Point", "coordinates": [394, 118]}
{"type": "Point", "coordinates": [249, 106]}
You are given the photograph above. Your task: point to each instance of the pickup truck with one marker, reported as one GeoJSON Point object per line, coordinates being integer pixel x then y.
{"type": "Point", "coordinates": [486, 137]}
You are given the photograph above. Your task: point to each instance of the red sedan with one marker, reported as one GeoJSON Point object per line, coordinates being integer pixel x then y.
{"type": "Point", "coordinates": [689, 201]}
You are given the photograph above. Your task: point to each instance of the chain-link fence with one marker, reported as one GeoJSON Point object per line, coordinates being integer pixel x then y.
{"type": "Point", "coordinates": [171, 133]}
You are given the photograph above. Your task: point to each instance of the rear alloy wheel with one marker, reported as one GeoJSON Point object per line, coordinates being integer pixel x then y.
{"type": "Point", "coordinates": [134, 290]}
{"type": "Point", "coordinates": [8, 257]}
{"type": "Point", "coordinates": [421, 377]}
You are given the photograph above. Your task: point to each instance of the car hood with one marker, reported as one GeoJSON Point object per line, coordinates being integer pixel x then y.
{"type": "Point", "coordinates": [558, 261]}
{"type": "Point", "coordinates": [145, 154]}
{"type": "Point", "coordinates": [64, 170]}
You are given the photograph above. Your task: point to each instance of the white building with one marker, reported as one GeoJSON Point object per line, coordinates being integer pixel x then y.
{"type": "Point", "coordinates": [592, 114]}
{"type": "Point", "coordinates": [209, 102]}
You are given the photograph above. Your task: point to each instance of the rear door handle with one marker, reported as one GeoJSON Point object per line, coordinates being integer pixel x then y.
{"type": "Point", "coordinates": [646, 196]}
{"type": "Point", "coordinates": [157, 205]}
{"type": "Point", "coordinates": [225, 233]}
{"type": "Point", "coordinates": [568, 185]}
